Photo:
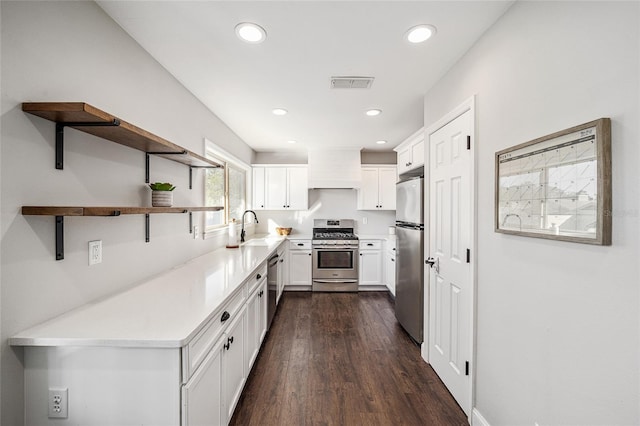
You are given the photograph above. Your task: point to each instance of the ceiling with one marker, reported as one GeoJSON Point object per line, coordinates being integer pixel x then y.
{"type": "Point", "coordinates": [307, 43]}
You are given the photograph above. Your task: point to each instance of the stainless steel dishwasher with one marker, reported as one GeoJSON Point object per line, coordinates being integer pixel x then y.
{"type": "Point", "coordinates": [272, 288]}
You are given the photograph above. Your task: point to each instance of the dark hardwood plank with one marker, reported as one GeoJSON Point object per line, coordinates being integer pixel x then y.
{"type": "Point", "coordinates": [342, 359]}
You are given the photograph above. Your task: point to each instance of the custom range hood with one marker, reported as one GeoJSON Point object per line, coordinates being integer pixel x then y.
{"type": "Point", "coordinates": [334, 168]}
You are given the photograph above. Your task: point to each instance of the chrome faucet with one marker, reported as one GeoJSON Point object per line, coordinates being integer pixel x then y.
{"type": "Point", "coordinates": [242, 233]}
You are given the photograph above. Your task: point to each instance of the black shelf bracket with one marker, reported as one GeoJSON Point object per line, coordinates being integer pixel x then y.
{"type": "Point", "coordinates": [60, 136]}
{"type": "Point", "coordinates": [146, 228]}
{"type": "Point", "coordinates": [146, 161]}
{"type": "Point", "coordinates": [191, 222]}
{"type": "Point", "coordinates": [59, 237]}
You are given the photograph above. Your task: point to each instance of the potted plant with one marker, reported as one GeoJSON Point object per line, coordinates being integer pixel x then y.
{"type": "Point", "coordinates": [161, 195]}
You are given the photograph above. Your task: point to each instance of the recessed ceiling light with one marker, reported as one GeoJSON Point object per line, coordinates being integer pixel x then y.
{"type": "Point", "coordinates": [373, 112]}
{"type": "Point", "coordinates": [381, 142]}
{"type": "Point", "coordinates": [250, 32]}
{"type": "Point", "coordinates": [279, 111]}
{"type": "Point", "coordinates": [420, 33]}
{"type": "Point", "coordinates": [292, 141]}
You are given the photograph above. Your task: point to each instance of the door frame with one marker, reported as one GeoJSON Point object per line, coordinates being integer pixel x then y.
{"type": "Point", "coordinates": [468, 105]}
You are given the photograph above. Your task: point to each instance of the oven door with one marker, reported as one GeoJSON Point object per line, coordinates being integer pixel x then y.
{"type": "Point", "coordinates": [336, 262]}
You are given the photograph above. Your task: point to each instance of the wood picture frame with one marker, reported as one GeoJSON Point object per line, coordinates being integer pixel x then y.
{"type": "Point", "coordinates": [557, 186]}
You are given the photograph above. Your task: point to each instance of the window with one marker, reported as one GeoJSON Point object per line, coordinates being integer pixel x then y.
{"type": "Point", "coordinates": [225, 187]}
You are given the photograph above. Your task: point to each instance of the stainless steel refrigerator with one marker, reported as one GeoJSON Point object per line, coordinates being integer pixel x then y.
{"type": "Point", "coordinates": [409, 256]}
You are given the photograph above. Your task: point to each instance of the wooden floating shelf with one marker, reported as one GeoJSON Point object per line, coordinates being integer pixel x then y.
{"type": "Point", "coordinates": [61, 212]}
{"type": "Point", "coordinates": [108, 211]}
{"type": "Point", "coordinates": [89, 119]}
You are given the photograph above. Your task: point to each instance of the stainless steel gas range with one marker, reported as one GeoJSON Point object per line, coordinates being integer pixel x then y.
{"type": "Point", "coordinates": [335, 255]}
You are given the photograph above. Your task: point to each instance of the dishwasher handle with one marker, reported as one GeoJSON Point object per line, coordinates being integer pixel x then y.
{"type": "Point", "coordinates": [273, 260]}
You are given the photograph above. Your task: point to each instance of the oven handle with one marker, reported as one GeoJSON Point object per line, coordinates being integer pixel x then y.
{"type": "Point", "coordinates": [334, 281]}
{"type": "Point", "coordinates": [334, 247]}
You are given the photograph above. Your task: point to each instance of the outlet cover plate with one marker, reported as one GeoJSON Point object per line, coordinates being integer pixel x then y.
{"type": "Point", "coordinates": [95, 252]}
{"type": "Point", "coordinates": [58, 403]}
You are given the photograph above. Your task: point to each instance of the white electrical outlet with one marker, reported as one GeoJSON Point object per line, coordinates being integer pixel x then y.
{"type": "Point", "coordinates": [58, 403]}
{"type": "Point", "coordinates": [364, 220]}
{"type": "Point", "coordinates": [195, 232]}
{"type": "Point", "coordinates": [95, 252]}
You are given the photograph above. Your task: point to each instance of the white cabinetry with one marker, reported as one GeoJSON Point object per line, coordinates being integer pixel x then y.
{"type": "Point", "coordinates": [371, 263]}
{"type": "Point", "coordinates": [378, 188]}
{"type": "Point", "coordinates": [256, 320]}
{"type": "Point", "coordinates": [233, 364]}
{"type": "Point", "coordinates": [390, 265]}
{"type": "Point", "coordinates": [411, 153]}
{"type": "Point", "coordinates": [283, 271]}
{"type": "Point", "coordinates": [300, 264]}
{"type": "Point", "coordinates": [280, 188]}
{"type": "Point", "coordinates": [202, 395]}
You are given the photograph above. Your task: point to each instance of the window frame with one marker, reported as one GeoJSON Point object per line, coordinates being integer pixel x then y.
{"type": "Point", "coordinates": [228, 161]}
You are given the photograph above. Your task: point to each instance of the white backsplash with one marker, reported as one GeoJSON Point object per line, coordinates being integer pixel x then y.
{"type": "Point", "coordinates": [327, 204]}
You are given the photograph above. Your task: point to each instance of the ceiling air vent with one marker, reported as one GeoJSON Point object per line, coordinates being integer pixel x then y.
{"type": "Point", "coordinates": [351, 82]}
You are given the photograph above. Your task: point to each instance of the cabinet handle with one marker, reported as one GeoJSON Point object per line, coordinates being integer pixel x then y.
{"type": "Point", "coordinates": [300, 244]}
{"type": "Point", "coordinates": [225, 316]}
{"type": "Point", "coordinates": [258, 276]}
{"type": "Point", "coordinates": [226, 346]}
{"type": "Point", "coordinates": [393, 260]}
{"type": "Point", "coordinates": [370, 244]}
{"type": "Point", "coordinates": [281, 260]}
{"type": "Point", "coordinates": [230, 340]}
{"type": "Point", "coordinates": [309, 254]}
{"type": "Point", "coordinates": [262, 205]}
{"type": "Point", "coordinates": [360, 254]}
{"type": "Point", "coordinates": [394, 249]}
{"type": "Point", "coordinates": [284, 206]}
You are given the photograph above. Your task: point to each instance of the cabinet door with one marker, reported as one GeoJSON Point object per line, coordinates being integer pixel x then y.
{"type": "Point", "coordinates": [298, 185]}
{"type": "Point", "coordinates": [404, 160]}
{"type": "Point", "coordinates": [253, 331]}
{"type": "Point", "coordinates": [275, 188]}
{"type": "Point", "coordinates": [368, 192]}
{"type": "Point", "coordinates": [282, 274]}
{"type": "Point", "coordinates": [262, 314]}
{"type": "Point", "coordinates": [233, 360]}
{"type": "Point", "coordinates": [202, 394]}
{"type": "Point", "coordinates": [387, 188]}
{"type": "Point", "coordinates": [417, 154]}
{"type": "Point", "coordinates": [258, 188]}
{"type": "Point", "coordinates": [390, 272]}
{"type": "Point", "coordinates": [300, 268]}
{"type": "Point", "coordinates": [370, 267]}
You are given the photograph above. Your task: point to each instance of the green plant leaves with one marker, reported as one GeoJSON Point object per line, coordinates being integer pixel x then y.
{"type": "Point", "coordinates": [160, 186]}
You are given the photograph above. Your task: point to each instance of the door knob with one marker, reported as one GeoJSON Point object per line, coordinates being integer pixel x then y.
{"type": "Point", "coordinates": [433, 263]}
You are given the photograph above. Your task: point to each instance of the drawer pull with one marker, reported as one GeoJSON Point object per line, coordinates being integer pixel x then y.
{"type": "Point", "coordinates": [230, 340]}
{"type": "Point", "coordinates": [226, 346]}
{"type": "Point", "coordinates": [225, 316]}
{"type": "Point", "coordinates": [300, 244]}
{"type": "Point", "coordinates": [258, 276]}
{"type": "Point", "coordinates": [370, 244]}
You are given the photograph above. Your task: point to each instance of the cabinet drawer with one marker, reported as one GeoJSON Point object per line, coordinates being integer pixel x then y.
{"type": "Point", "coordinates": [197, 349]}
{"type": "Point", "coordinates": [256, 278]}
{"type": "Point", "coordinates": [300, 245]}
{"type": "Point", "coordinates": [370, 244]}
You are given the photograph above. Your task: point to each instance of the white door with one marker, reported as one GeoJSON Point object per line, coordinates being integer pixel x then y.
{"type": "Point", "coordinates": [258, 188]}
{"type": "Point", "coordinates": [275, 188]}
{"type": "Point", "coordinates": [202, 394]}
{"type": "Point", "coordinates": [300, 268]}
{"type": "Point", "coordinates": [368, 191]}
{"type": "Point", "coordinates": [450, 224]}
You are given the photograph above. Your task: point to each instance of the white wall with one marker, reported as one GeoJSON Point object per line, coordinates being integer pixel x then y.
{"type": "Point", "coordinates": [327, 204]}
{"type": "Point", "coordinates": [72, 51]}
{"type": "Point", "coordinates": [557, 322]}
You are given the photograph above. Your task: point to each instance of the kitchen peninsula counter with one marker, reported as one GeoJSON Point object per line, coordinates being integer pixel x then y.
{"type": "Point", "coordinates": [166, 311]}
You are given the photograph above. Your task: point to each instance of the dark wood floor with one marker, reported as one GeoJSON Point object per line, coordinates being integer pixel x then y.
{"type": "Point", "coordinates": [342, 359]}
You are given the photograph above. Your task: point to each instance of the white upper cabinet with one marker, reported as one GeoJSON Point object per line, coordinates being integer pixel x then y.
{"type": "Point", "coordinates": [378, 188]}
{"type": "Point", "coordinates": [280, 188]}
{"type": "Point", "coordinates": [411, 153]}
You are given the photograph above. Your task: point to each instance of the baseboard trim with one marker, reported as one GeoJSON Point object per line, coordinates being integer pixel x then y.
{"type": "Point", "coordinates": [477, 419]}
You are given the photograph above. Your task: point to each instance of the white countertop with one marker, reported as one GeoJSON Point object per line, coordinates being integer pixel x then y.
{"type": "Point", "coordinates": [163, 312]}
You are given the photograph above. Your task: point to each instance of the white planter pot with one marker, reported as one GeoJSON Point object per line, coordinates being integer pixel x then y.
{"type": "Point", "coordinates": [161, 198]}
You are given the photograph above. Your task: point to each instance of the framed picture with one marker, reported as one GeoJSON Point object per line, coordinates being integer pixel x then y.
{"type": "Point", "coordinates": [557, 186]}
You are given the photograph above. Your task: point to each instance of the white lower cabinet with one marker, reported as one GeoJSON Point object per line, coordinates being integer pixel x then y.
{"type": "Point", "coordinates": [371, 263]}
{"type": "Point", "coordinates": [202, 395]}
{"type": "Point", "coordinates": [300, 264]}
{"type": "Point", "coordinates": [283, 272]}
{"type": "Point", "coordinates": [256, 321]}
{"type": "Point", "coordinates": [390, 267]}
{"type": "Point", "coordinates": [233, 367]}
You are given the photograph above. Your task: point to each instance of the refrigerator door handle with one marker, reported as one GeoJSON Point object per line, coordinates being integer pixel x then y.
{"type": "Point", "coordinates": [433, 263]}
